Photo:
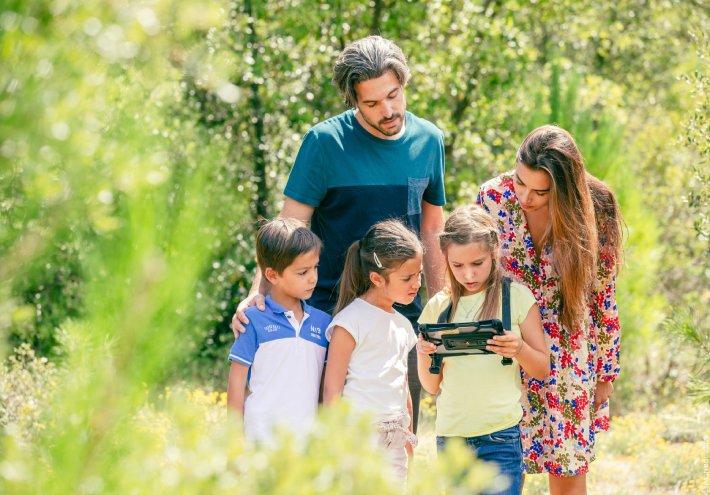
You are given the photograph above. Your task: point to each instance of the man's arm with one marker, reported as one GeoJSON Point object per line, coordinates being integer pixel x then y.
{"type": "Point", "coordinates": [434, 263]}
{"type": "Point", "coordinates": [259, 285]}
{"type": "Point", "coordinates": [296, 209]}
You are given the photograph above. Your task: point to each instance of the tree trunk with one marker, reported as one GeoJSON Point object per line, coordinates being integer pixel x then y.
{"type": "Point", "coordinates": [376, 17]}
{"type": "Point", "coordinates": [260, 204]}
{"type": "Point", "coordinates": [465, 100]}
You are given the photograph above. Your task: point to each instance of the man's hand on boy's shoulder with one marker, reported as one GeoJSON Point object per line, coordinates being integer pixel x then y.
{"type": "Point", "coordinates": [240, 318]}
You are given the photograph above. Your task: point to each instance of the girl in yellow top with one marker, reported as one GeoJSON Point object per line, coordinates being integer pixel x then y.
{"type": "Point", "coordinates": [478, 399]}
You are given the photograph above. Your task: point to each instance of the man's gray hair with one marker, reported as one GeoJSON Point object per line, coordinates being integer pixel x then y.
{"type": "Point", "coordinates": [368, 58]}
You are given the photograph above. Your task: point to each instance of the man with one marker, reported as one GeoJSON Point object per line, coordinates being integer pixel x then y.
{"type": "Point", "coordinates": [372, 162]}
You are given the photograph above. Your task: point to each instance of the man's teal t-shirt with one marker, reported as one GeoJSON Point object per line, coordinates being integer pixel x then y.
{"type": "Point", "coordinates": [354, 179]}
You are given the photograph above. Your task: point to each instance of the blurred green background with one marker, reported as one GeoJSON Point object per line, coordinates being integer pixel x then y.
{"type": "Point", "coordinates": [141, 141]}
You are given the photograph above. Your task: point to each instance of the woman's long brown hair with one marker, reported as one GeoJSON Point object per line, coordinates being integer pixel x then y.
{"type": "Point", "coordinates": [580, 205]}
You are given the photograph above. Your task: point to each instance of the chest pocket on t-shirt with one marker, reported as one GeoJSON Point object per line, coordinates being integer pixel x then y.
{"type": "Point", "coordinates": [415, 193]}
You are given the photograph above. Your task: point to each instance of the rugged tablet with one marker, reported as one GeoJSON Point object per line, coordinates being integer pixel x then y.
{"type": "Point", "coordinates": [460, 339]}
{"type": "Point", "coordinates": [465, 338]}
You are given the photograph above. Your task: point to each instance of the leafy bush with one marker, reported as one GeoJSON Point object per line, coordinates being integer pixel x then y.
{"type": "Point", "coordinates": [184, 441]}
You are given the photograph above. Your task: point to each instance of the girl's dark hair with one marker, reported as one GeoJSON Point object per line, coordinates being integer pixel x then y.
{"type": "Point", "coordinates": [466, 225]}
{"type": "Point", "coordinates": [384, 248]}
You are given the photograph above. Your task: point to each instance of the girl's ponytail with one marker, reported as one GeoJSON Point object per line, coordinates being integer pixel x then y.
{"type": "Point", "coordinates": [354, 281]}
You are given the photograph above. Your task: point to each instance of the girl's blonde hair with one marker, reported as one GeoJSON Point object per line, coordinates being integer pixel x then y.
{"type": "Point", "coordinates": [582, 210]}
{"type": "Point", "coordinates": [384, 248]}
{"type": "Point", "coordinates": [466, 225]}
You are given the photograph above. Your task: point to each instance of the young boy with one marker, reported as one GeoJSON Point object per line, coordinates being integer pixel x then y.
{"type": "Point", "coordinates": [281, 354]}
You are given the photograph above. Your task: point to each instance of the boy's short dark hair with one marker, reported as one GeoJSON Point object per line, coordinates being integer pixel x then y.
{"type": "Point", "coordinates": [281, 240]}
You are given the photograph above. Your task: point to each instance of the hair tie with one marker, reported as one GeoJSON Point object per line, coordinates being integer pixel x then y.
{"type": "Point", "coordinates": [377, 260]}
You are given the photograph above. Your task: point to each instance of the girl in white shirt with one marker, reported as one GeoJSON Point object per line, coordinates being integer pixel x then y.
{"type": "Point", "coordinates": [370, 341]}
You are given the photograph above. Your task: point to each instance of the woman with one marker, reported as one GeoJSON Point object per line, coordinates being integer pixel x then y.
{"type": "Point", "coordinates": [561, 237]}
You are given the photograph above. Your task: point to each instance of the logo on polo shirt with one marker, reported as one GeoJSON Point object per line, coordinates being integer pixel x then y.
{"type": "Point", "coordinates": [315, 331]}
{"type": "Point", "coordinates": [271, 328]}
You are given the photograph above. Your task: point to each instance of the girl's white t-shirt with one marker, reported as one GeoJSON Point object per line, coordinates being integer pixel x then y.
{"type": "Point", "coordinates": [376, 380]}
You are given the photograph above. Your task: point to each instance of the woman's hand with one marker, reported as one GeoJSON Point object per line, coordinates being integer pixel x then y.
{"type": "Point", "coordinates": [602, 393]}
{"type": "Point", "coordinates": [507, 345]}
{"type": "Point", "coordinates": [425, 347]}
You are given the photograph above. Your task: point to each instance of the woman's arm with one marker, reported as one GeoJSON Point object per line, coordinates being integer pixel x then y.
{"type": "Point", "coordinates": [531, 350]}
{"type": "Point", "coordinates": [236, 387]}
{"type": "Point", "coordinates": [430, 382]}
{"type": "Point", "coordinates": [605, 319]}
{"type": "Point", "coordinates": [340, 350]}
{"type": "Point", "coordinates": [607, 335]}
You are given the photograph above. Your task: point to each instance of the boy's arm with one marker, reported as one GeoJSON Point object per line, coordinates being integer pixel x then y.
{"type": "Point", "coordinates": [236, 387]}
{"type": "Point", "coordinates": [340, 350]}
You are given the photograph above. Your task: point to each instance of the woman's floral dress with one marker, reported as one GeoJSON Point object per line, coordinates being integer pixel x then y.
{"type": "Point", "coordinates": [559, 423]}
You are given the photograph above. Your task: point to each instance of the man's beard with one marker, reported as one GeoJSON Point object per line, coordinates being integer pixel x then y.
{"type": "Point", "coordinates": [380, 125]}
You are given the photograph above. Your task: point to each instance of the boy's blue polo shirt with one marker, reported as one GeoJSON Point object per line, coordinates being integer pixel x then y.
{"type": "Point", "coordinates": [354, 180]}
{"type": "Point", "coordinates": [285, 363]}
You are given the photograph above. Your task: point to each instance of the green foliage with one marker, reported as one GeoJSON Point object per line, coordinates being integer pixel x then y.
{"type": "Point", "coordinates": [244, 82]}
{"type": "Point", "coordinates": [132, 176]}
{"type": "Point", "coordinates": [139, 142]}
{"type": "Point", "coordinates": [184, 441]}
{"type": "Point", "coordinates": [687, 326]}
{"type": "Point", "coordinates": [691, 322]}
